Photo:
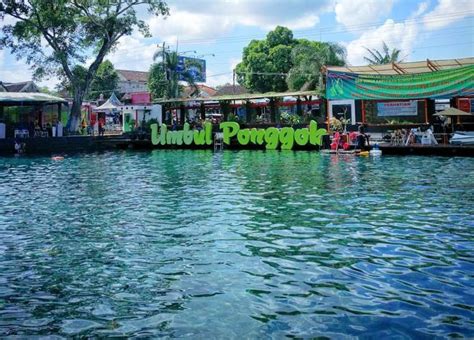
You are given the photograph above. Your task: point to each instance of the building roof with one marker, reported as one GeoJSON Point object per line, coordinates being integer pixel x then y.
{"type": "Point", "coordinates": [28, 98]}
{"type": "Point", "coordinates": [24, 86]}
{"type": "Point", "coordinates": [128, 75]}
{"type": "Point", "coordinates": [229, 89]}
{"type": "Point", "coordinates": [405, 68]}
{"type": "Point", "coordinates": [244, 96]}
{"type": "Point", "coordinates": [204, 91]}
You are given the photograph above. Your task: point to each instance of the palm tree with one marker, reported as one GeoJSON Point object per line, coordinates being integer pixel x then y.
{"type": "Point", "coordinates": [169, 62]}
{"type": "Point", "coordinates": [388, 57]}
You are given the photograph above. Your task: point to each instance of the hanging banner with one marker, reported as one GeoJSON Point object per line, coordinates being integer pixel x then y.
{"type": "Point", "coordinates": [439, 84]}
{"type": "Point", "coordinates": [191, 67]}
{"type": "Point", "coordinates": [394, 109]}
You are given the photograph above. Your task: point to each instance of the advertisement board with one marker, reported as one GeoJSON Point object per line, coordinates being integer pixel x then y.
{"type": "Point", "coordinates": [395, 109]}
{"type": "Point", "coordinates": [191, 67]}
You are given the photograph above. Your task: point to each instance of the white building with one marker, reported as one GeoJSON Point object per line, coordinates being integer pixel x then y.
{"type": "Point", "coordinates": [132, 81]}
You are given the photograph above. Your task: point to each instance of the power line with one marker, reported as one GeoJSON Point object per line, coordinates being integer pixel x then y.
{"type": "Point", "coordinates": [347, 29]}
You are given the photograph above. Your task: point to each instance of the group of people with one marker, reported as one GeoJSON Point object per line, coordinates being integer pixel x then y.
{"type": "Point", "coordinates": [422, 135]}
{"type": "Point", "coordinates": [94, 125]}
{"type": "Point", "coordinates": [358, 140]}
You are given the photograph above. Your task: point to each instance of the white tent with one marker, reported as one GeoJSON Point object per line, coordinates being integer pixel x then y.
{"type": "Point", "coordinates": [111, 104]}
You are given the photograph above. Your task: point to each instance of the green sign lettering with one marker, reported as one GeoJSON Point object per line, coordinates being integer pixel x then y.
{"type": "Point", "coordinates": [272, 137]}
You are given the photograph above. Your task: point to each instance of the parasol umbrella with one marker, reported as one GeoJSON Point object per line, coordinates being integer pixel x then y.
{"type": "Point", "coordinates": [453, 112]}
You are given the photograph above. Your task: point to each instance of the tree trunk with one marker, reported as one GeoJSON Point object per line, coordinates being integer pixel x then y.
{"type": "Point", "coordinates": [75, 116]}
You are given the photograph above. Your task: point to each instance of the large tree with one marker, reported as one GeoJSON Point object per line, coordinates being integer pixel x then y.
{"type": "Point", "coordinates": [308, 58]}
{"type": "Point", "coordinates": [385, 57]}
{"type": "Point", "coordinates": [67, 33]}
{"type": "Point", "coordinates": [265, 62]}
{"type": "Point", "coordinates": [280, 62]}
{"type": "Point", "coordinates": [104, 82]}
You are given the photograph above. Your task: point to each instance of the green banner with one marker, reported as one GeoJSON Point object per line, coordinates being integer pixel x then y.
{"type": "Point", "coordinates": [438, 84]}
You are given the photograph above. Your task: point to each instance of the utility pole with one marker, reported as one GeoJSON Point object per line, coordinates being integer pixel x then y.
{"type": "Point", "coordinates": [233, 81]}
{"type": "Point", "coordinates": [164, 60]}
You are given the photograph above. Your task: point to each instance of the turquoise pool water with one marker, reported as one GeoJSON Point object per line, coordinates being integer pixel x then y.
{"type": "Point", "coordinates": [246, 244]}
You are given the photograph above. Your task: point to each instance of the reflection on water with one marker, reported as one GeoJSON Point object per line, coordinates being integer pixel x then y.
{"type": "Point", "coordinates": [236, 244]}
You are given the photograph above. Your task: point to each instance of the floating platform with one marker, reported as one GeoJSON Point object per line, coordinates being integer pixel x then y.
{"type": "Point", "coordinates": [428, 150]}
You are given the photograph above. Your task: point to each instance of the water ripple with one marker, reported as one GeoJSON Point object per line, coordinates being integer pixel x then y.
{"type": "Point", "coordinates": [193, 244]}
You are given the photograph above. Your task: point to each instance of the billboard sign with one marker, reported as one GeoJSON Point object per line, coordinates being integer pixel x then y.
{"type": "Point", "coordinates": [193, 67]}
{"type": "Point", "coordinates": [393, 109]}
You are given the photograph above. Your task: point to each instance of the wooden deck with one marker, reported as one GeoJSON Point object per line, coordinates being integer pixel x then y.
{"type": "Point", "coordinates": [428, 150]}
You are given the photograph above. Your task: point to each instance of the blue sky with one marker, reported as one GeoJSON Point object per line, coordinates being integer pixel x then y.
{"type": "Point", "coordinates": [434, 29]}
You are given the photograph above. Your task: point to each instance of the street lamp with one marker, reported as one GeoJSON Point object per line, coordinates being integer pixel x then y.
{"type": "Point", "coordinates": [181, 53]}
{"type": "Point", "coordinates": [205, 55]}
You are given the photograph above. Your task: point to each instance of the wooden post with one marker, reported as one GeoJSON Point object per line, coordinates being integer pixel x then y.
{"type": "Point", "coordinates": [182, 114]}
{"type": "Point", "coordinates": [203, 111]}
{"type": "Point", "coordinates": [298, 107]}
{"type": "Point", "coordinates": [163, 114]}
{"type": "Point", "coordinates": [272, 110]}
{"type": "Point", "coordinates": [248, 112]}
{"type": "Point", "coordinates": [363, 111]}
{"type": "Point", "coordinates": [327, 115]}
{"type": "Point", "coordinates": [426, 111]}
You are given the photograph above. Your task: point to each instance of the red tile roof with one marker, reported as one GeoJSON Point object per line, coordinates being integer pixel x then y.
{"type": "Point", "coordinates": [139, 76]}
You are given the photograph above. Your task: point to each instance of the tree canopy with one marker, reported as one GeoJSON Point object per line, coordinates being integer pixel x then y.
{"type": "Point", "coordinates": [385, 57]}
{"type": "Point", "coordinates": [265, 62]}
{"type": "Point", "coordinates": [163, 78]}
{"type": "Point", "coordinates": [74, 31]}
{"type": "Point", "coordinates": [308, 58]}
{"type": "Point", "coordinates": [281, 62]}
{"type": "Point", "coordinates": [104, 82]}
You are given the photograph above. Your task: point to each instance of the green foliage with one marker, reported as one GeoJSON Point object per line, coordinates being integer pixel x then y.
{"type": "Point", "coordinates": [308, 58]}
{"type": "Point", "coordinates": [280, 62]}
{"type": "Point", "coordinates": [233, 118]}
{"type": "Point", "coordinates": [385, 57]}
{"type": "Point", "coordinates": [163, 80]}
{"type": "Point", "coordinates": [157, 81]}
{"type": "Point", "coordinates": [289, 119]}
{"type": "Point", "coordinates": [335, 124]}
{"type": "Point", "coordinates": [75, 31]}
{"type": "Point", "coordinates": [105, 81]}
{"type": "Point", "coordinates": [45, 89]}
{"type": "Point", "coordinates": [272, 55]}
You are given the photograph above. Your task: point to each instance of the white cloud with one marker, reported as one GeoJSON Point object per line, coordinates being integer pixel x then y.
{"type": "Point", "coordinates": [422, 7]}
{"type": "Point", "coordinates": [396, 35]}
{"type": "Point", "coordinates": [447, 12]}
{"type": "Point", "coordinates": [361, 12]}
{"type": "Point", "coordinates": [133, 54]}
{"type": "Point", "coordinates": [221, 78]}
{"type": "Point", "coordinates": [208, 20]}
{"type": "Point", "coordinates": [188, 25]}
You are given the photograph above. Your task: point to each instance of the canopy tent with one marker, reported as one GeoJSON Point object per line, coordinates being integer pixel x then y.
{"type": "Point", "coordinates": [412, 67]}
{"type": "Point", "coordinates": [111, 104]}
